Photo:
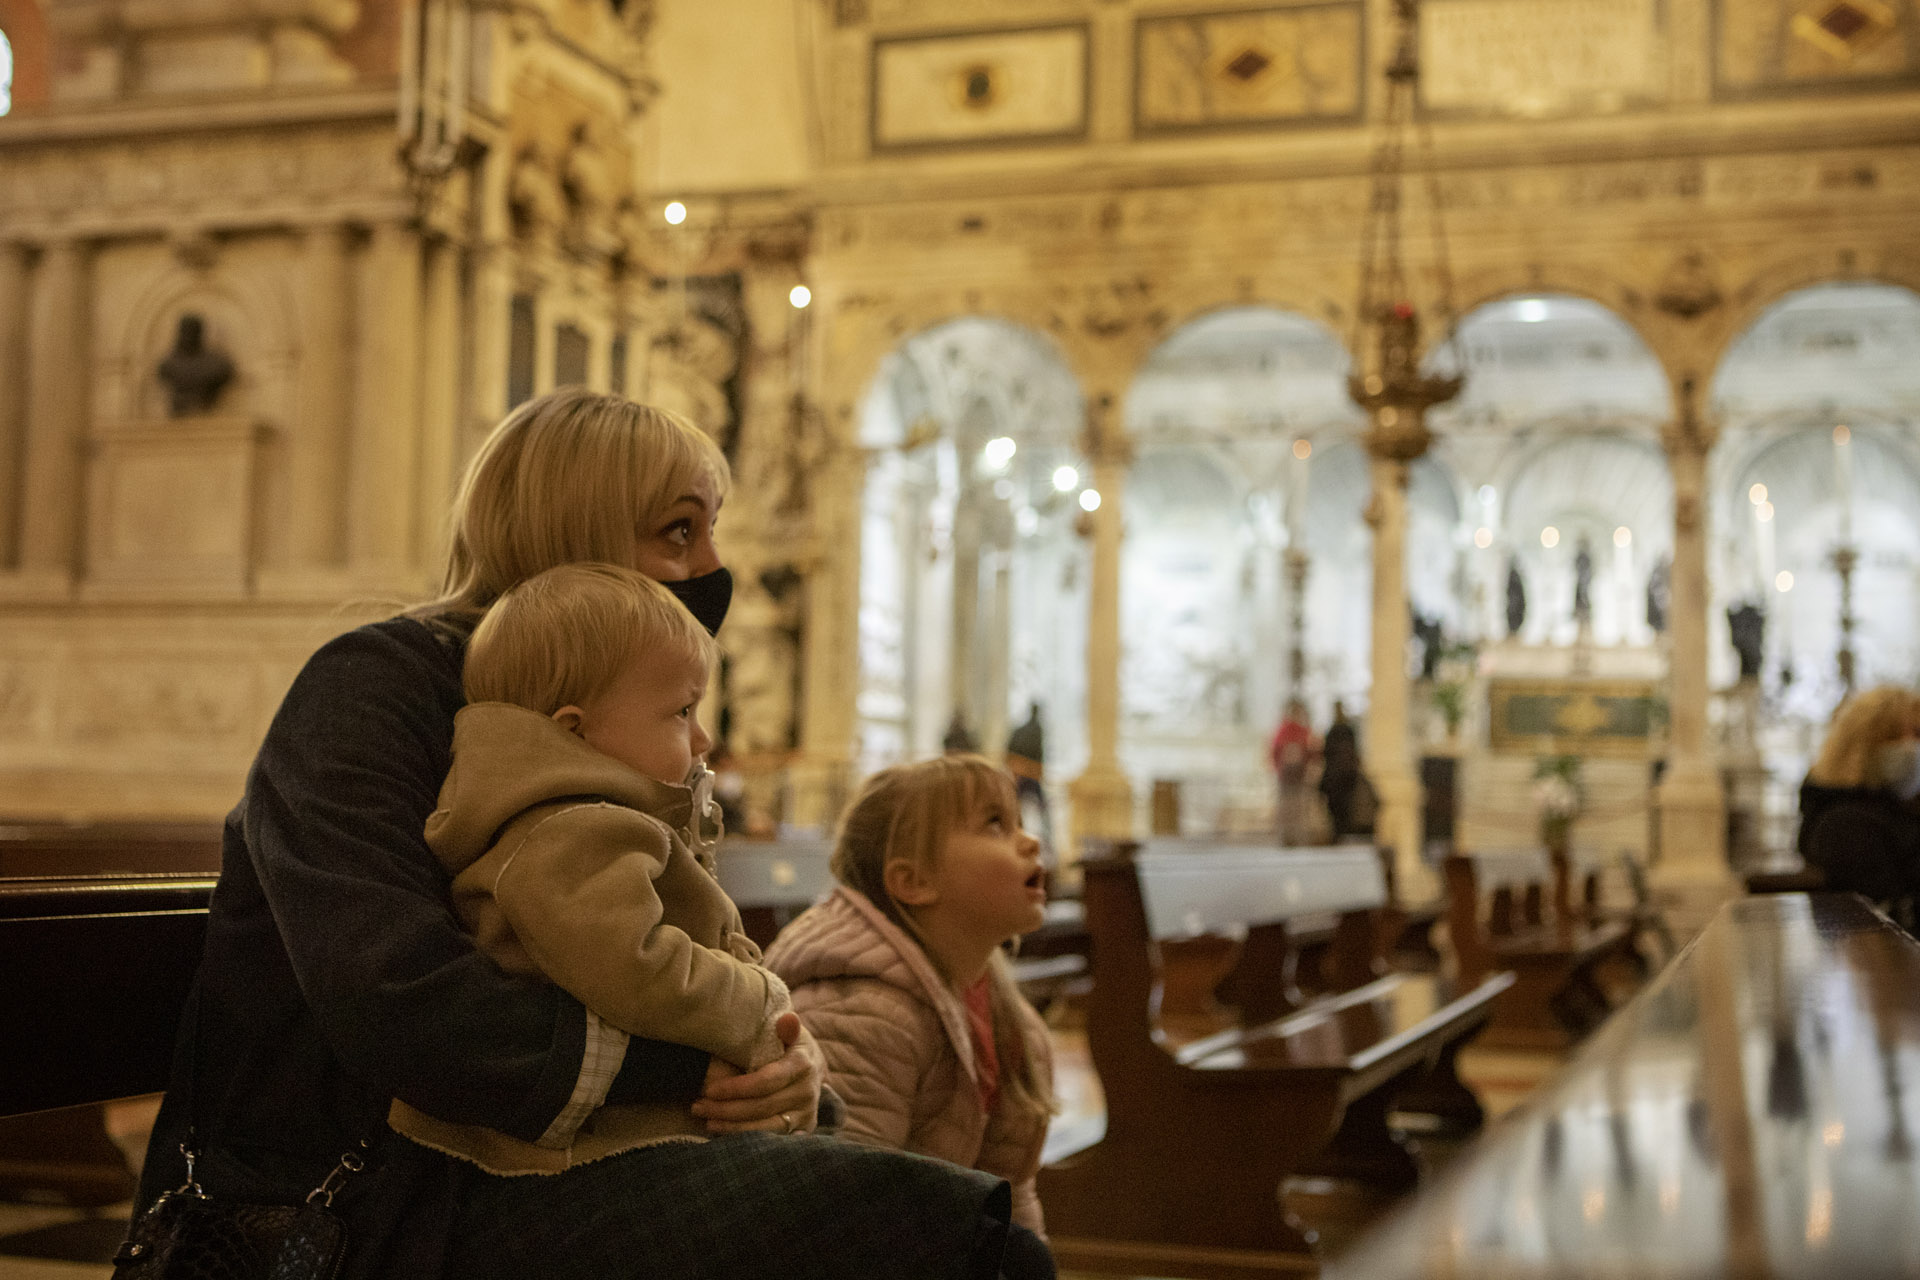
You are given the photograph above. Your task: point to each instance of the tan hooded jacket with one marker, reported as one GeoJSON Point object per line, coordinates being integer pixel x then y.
{"type": "Point", "coordinates": [569, 865]}
{"type": "Point", "coordinates": [898, 1047]}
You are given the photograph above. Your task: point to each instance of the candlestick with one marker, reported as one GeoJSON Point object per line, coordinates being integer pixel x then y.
{"type": "Point", "coordinates": [1843, 477]}
{"type": "Point", "coordinates": [1297, 500]}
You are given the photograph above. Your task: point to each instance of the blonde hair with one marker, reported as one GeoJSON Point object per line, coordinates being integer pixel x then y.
{"type": "Point", "coordinates": [560, 637]}
{"type": "Point", "coordinates": [905, 814]}
{"type": "Point", "coordinates": [569, 476]}
{"type": "Point", "coordinates": [1861, 726]}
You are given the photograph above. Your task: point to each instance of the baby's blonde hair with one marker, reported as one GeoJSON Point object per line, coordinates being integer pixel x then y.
{"type": "Point", "coordinates": [1863, 724]}
{"type": "Point", "coordinates": [559, 638]}
{"type": "Point", "coordinates": [905, 814]}
{"type": "Point", "coordinates": [569, 476]}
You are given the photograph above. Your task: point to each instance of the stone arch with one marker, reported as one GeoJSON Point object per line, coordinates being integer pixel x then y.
{"type": "Point", "coordinates": [1774, 281]}
{"type": "Point", "coordinates": [25, 27]}
{"type": "Point", "coordinates": [866, 330]}
{"type": "Point", "coordinates": [1637, 387]}
{"type": "Point", "coordinates": [1494, 282]}
{"type": "Point", "coordinates": [1192, 299]}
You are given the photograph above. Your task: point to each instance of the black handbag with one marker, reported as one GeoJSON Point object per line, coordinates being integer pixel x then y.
{"type": "Point", "coordinates": [189, 1235]}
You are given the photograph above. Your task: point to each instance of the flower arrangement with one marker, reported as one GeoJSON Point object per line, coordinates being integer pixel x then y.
{"type": "Point", "coordinates": [1454, 682]}
{"type": "Point", "coordinates": [1559, 796]}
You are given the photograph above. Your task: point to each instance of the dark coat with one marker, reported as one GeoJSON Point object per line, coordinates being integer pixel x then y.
{"type": "Point", "coordinates": [1864, 839]}
{"type": "Point", "coordinates": [337, 977]}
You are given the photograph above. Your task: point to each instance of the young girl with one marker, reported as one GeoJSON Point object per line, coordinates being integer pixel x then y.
{"type": "Point", "coordinates": [901, 977]}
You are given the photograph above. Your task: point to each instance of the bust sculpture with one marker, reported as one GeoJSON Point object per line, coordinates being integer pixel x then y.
{"type": "Point", "coordinates": [194, 374]}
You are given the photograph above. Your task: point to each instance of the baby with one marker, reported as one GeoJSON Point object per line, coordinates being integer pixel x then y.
{"type": "Point", "coordinates": [578, 826]}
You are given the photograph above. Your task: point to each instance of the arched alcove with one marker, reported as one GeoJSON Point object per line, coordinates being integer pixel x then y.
{"type": "Point", "coordinates": [1818, 403]}
{"type": "Point", "coordinates": [972, 579]}
{"type": "Point", "coordinates": [1609, 494]}
{"type": "Point", "coordinates": [1213, 499]}
{"type": "Point", "coordinates": [1553, 361]}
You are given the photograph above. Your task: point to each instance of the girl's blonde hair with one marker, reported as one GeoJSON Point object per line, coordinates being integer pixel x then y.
{"type": "Point", "coordinates": [560, 637]}
{"type": "Point", "coordinates": [905, 814]}
{"type": "Point", "coordinates": [1863, 724]}
{"type": "Point", "coordinates": [569, 476]}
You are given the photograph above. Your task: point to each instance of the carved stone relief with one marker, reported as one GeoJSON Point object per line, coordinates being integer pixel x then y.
{"type": "Point", "coordinates": [1547, 57]}
{"type": "Point", "coordinates": [1767, 46]}
{"type": "Point", "coordinates": [1291, 65]}
{"type": "Point", "coordinates": [1007, 86]}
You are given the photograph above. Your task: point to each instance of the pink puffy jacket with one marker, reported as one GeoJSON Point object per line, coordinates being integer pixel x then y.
{"type": "Point", "coordinates": [898, 1048]}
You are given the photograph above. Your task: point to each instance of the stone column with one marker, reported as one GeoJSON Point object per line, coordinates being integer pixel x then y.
{"type": "Point", "coordinates": [1102, 798]}
{"type": "Point", "coordinates": [58, 371]}
{"type": "Point", "coordinates": [382, 470]}
{"type": "Point", "coordinates": [1691, 800]}
{"type": "Point", "coordinates": [13, 402]}
{"type": "Point", "coordinates": [963, 651]}
{"type": "Point", "coordinates": [1389, 766]}
{"type": "Point", "coordinates": [316, 488]}
{"type": "Point", "coordinates": [822, 775]}
{"type": "Point", "coordinates": [440, 435]}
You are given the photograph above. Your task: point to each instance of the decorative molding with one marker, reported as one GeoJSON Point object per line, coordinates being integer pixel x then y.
{"type": "Point", "coordinates": [1012, 86]}
{"type": "Point", "coordinates": [1775, 49]}
{"type": "Point", "coordinates": [1291, 66]}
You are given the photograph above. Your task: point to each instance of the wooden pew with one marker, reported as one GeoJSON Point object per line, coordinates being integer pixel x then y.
{"type": "Point", "coordinates": [108, 848]}
{"type": "Point", "coordinates": [772, 881]}
{"type": "Point", "coordinates": [1503, 913]}
{"type": "Point", "coordinates": [96, 971]}
{"type": "Point", "coordinates": [1198, 1139]}
{"type": "Point", "coordinates": [1749, 1114]}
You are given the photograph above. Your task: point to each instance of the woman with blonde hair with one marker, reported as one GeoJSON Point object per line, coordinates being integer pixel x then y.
{"type": "Point", "coordinates": [1857, 820]}
{"type": "Point", "coordinates": [338, 978]}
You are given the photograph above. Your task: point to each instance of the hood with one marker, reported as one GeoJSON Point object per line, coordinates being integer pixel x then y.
{"type": "Point", "coordinates": [847, 936]}
{"type": "Point", "coordinates": [507, 759]}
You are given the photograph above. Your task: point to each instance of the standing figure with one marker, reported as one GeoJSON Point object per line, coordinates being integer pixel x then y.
{"type": "Point", "coordinates": [1341, 780]}
{"type": "Point", "coordinates": [1658, 588]}
{"type": "Point", "coordinates": [1583, 584]}
{"type": "Point", "coordinates": [1747, 625]}
{"type": "Point", "coordinates": [1516, 598]}
{"type": "Point", "coordinates": [1027, 762]}
{"type": "Point", "coordinates": [1292, 752]}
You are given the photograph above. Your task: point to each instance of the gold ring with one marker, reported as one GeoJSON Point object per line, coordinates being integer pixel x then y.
{"type": "Point", "coordinates": [788, 1117]}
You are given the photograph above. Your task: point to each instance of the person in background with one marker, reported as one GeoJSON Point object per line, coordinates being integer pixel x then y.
{"type": "Point", "coordinates": [1027, 762]}
{"type": "Point", "coordinates": [960, 739]}
{"type": "Point", "coordinates": [1858, 824]}
{"type": "Point", "coordinates": [1292, 753]}
{"type": "Point", "coordinates": [1341, 780]}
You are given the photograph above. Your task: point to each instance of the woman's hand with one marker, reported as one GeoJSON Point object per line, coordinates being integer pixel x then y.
{"type": "Point", "coordinates": [781, 1097]}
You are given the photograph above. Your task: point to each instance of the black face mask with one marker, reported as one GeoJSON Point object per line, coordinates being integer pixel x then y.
{"type": "Point", "coordinates": [706, 597]}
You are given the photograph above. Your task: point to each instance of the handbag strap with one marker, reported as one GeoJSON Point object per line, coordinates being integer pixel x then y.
{"type": "Point", "coordinates": [351, 1161]}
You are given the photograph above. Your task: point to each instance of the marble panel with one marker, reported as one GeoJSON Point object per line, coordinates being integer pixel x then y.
{"type": "Point", "coordinates": [173, 505]}
{"type": "Point", "coordinates": [1542, 57]}
{"type": "Point", "coordinates": [1296, 65]}
{"type": "Point", "coordinates": [1775, 46]}
{"type": "Point", "coordinates": [980, 87]}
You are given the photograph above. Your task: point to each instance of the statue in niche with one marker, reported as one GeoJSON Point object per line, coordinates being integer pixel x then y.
{"type": "Point", "coordinates": [1516, 598]}
{"type": "Point", "coordinates": [1583, 583]}
{"type": "Point", "coordinates": [1659, 588]}
{"type": "Point", "coordinates": [1432, 641]}
{"type": "Point", "coordinates": [194, 373]}
{"type": "Point", "coordinates": [1749, 627]}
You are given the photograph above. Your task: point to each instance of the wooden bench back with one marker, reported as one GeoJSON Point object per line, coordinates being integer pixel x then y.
{"type": "Point", "coordinates": [772, 881]}
{"type": "Point", "coordinates": [108, 848]}
{"type": "Point", "coordinates": [1493, 894]}
{"type": "Point", "coordinates": [1225, 890]}
{"type": "Point", "coordinates": [97, 970]}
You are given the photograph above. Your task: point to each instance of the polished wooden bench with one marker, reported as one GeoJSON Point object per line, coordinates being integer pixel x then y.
{"type": "Point", "coordinates": [94, 971]}
{"type": "Point", "coordinates": [108, 848]}
{"type": "Point", "coordinates": [772, 881]}
{"type": "Point", "coordinates": [1185, 1178]}
{"type": "Point", "coordinates": [1503, 914]}
{"type": "Point", "coordinates": [1750, 1113]}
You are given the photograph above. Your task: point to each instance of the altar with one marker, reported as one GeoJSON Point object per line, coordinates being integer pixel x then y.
{"type": "Point", "coordinates": [1593, 717]}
